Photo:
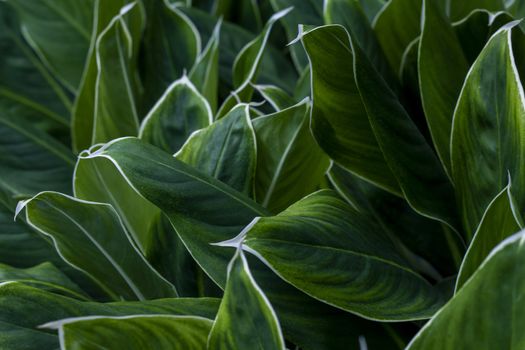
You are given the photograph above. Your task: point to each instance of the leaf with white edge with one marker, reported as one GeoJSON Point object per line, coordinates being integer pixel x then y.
{"type": "Point", "coordinates": [181, 111]}
{"type": "Point", "coordinates": [286, 151]}
{"type": "Point", "coordinates": [25, 308]}
{"type": "Point", "coordinates": [442, 70]}
{"type": "Point", "coordinates": [325, 248]}
{"type": "Point", "coordinates": [246, 66]}
{"type": "Point", "coordinates": [133, 332]}
{"type": "Point", "coordinates": [304, 12]}
{"type": "Point", "coordinates": [116, 88]}
{"type": "Point", "coordinates": [492, 299]}
{"type": "Point", "coordinates": [488, 134]}
{"type": "Point", "coordinates": [225, 150]}
{"type": "Point", "coordinates": [171, 44]}
{"type": "Point", "coordinates": [501, 220]}
{"type": "Point", "coordinates": [246, 319]}
{"type": "Point", "coordinates": [60, 32]}
{"type": "Point", "coordinates": [340, 122]}
{"type": "Point", "coordinates": [44, 276]}
{"type": "Point", "coordinates": [203, 211]}
{"type": "Point", "coordinates": [460, 9]}
{"type": "Point", "coordinates": [91, 237]}
{"type": "Point", "coordinates": [396, 25]}
{"type": "Point", "coordinates": [97, 180]}
{"type": "Point", "coordinates": [84, 107]}
{"type": "Point", "coordinates": [275, 96]}
{"type": "Point", "coordinates": [372, 8]}
{"type": "Point", "coordinates": [205, 72]}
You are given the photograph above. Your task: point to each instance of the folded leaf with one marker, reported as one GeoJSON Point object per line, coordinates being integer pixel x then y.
{"type": "Point", "coordinates": [225, 150]}
{"type": "Point", "coordinates": [181, 111]}
{"type": "Point", "coordinates": [442, 70]}
{"type": "Point", "coordinates": [245, 319]}
{"type": "Point", "coordinates": [90, 236]}
{"type": "Point", "coordinates": [275, 96]}
{"type": "Point", "coordinates": [501, 220]}
{"type": "Point", "coordinates": [488, 135]}
{"type": "Point", "coordinates": [115, 111]}
{"type": "Point", "coordinates": [25, 308]}
{"type": "Point", "coordinates": [326, 249]}
{"type": "Point", "coordinates": [171, 44]}
{"type": "Point", "coordinates": [286, 151]}
{"type": "Point", "coordinates": [134, 332]}
{"type": "Point", "coordinates": [491, 300]}
{"type": "Point", "coordinates": [60, 32]}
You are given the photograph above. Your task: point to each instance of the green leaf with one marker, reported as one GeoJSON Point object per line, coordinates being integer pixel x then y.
{"type": "Point", "coordinates": [25, 308]}
{"type": "Point", "coordinates": [44, 276]}
{"type": "Point", "coordinates": [116, 88]}
{"type": "Point", "coordinates": [459, 9]}
{"type": "Point", "coordinates": [372, 8]}
{"type": "Point", "coordinates": [500, 220]}
{"type": "Point", "coordinates": [304, 12]}
{"type": "Point", "coordinates": [246, 319]}
{"type": "Point", "coordinates": [97, 180]}
{"type": "Point", "coordinates": [133, 332]}
{"type": "Point", "coordinates": [205, 72]}
{"type": "Point", "coordinates": [325, 248]}
{"type": "Point", "coordinates": [275, 96]}
{"type": "Point", "coordinates": [340, 122]}
{"type": "Point", "coordinates": [246, 66]}
{"type": "Point", "coordinates": [442, 70]}
{"type": "Point", "coordinates": [91, 237]}
{"type": "Point", "coordinates": [492, 299]}
{"type": "Point", "coordinates": [171, 44]}
{"type": "Point", "coordinates": [43, 102]}
{"type": "Point", "coordinates": [181, 111]}
{"type": "Point", "coordinates": [488, 134]}
{"type": "Point", "coordinates": [286, 151]}
{"type": "Point", "coordinates": [60, 32]}
{"type": "Point", "coordinates": [84, 107]}
{"type": "Point", "coordinates": [203, 211]}
{"type": "Point", "coordinates": [225, 150]}
{"type": "Point", "coordinates": [396, 25]}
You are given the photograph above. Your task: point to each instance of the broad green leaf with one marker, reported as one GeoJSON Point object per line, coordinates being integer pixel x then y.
{"type": "Point", "coordinates": [225, 150]}
{"type": "Point", "coordinates": [247, 13]}
{"type": "Point", "coordinates": [60, 32]}
{"type": "Point", "coordinates": [44, 276]}
{"type": "Point", "coordinates": [204, 211]}
{"type": "Point", "coordinates": [25, 308]}
{"type": "Point", "coordinates": [419, 240]}
{"type": "Point", "coordinates": [246, 319]}
{"type": "Point", "coordinates": [275, 96]}
{"type": "Point", "coordinates": [171, 44]}
{"type": "Point", "coordinates": [205, 72]}
{"type": "Point", "coordinates": [351, 15]}
{"type": "Point", "coordinates": [31, 160]}
{"type": "Point", "coordinates": [442, 70]}
{"type": "Point", "coordinates": [286, 151]}
{"type": "Point", "coordinates": [97, 180]}
{"type": "Point", "coordinates": [181, 111]}
{"type": "Point", "coordinates": [486, 313]}
{"type": "Point", "coordinates": [340, 122]}
{"type": "Point", "coordinates": [325, 248]}
{"type": "Point", "coordinates": [488, 132]}
{"type": "Point", "coordinates": [460, 9]}
{"type": "Point", "coordinates": [396, 25]}
{"type": "Point", "coordinates": [304, 12]}
{"type": "Point", "coordinates": [116, 88]}
{"type": "Point", "coordinates": [43, 102]}
{"type": "Point", "coordinates": [84, 107]}
{"type": "Point", "coordinates": [247, 65]}
{"type": "Point", "coordinates": [500, 220]}
{"type": "Point", "coordinates": [91, 237]}
{"type": "Point", "coordinates": [133, 332]}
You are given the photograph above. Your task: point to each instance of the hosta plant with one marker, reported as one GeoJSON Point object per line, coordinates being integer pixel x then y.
{"type": "Point", "coordinates": [272, 174]}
